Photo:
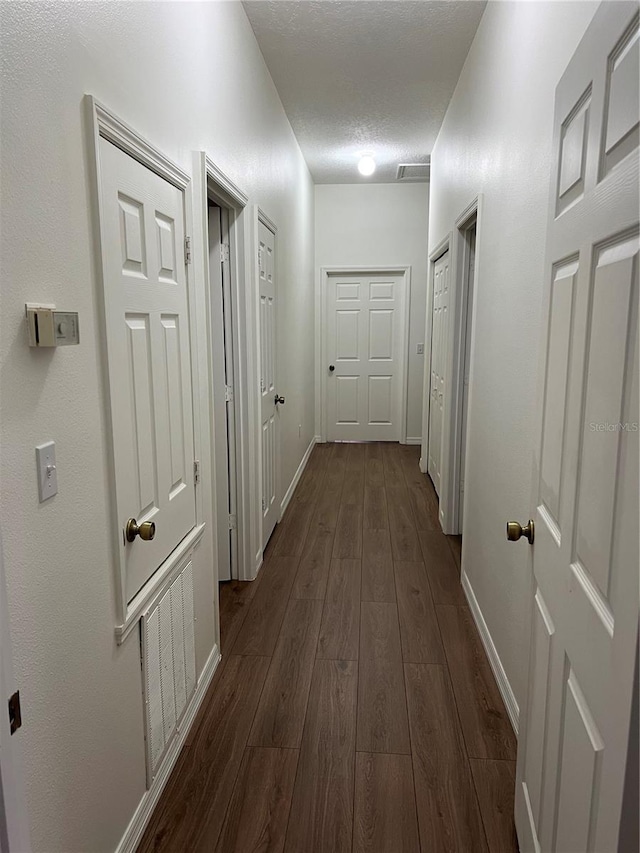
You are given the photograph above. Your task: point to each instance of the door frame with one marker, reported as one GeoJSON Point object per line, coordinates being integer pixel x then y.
{"type": "Point", "coordinates": [212, 184]}
{"type": "Point", "coordinates": [450, 473]}
{"type": "Point", "coordinates": [403, 270]}
{"type": "Point", "coordinates": [102, 123]}
{"type": "Point", "coordinates": [443, 246]}
{"type": "Point", "coordinates": [453, 405]}
{"type": "Point", "coordinates": [261, 218]}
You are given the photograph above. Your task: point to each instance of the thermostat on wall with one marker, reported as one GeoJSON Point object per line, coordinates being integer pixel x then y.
{"type": "Point", "coordinates": [51, 328]}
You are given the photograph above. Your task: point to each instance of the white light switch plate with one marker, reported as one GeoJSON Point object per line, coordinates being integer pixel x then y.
{"type": "Point", "coordinates": [47, 473]}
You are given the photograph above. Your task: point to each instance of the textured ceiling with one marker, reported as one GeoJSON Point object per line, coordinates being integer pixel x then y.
{"type": "Point", "coordinates": [364, 76]}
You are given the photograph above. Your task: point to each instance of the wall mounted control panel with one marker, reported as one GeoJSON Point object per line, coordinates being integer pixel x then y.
{"type": "Point", "coordinates": [51, 328]}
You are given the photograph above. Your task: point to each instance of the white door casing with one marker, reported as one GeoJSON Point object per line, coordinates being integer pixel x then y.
{"type": "Point", "coordinates": [439, 355]}
{"type": "Point", "coordinates": [574, 726]}
{"type": "Point", "coordinates": [221, 344]}
{"type": "Point", "coordinates": [149, 359]}
{"type": "Point", "coordinates": [467, 312]}
{"type": "Point", "coordinates": [269, 420]}
{"type": "Point", "coordinates": [365, 342]}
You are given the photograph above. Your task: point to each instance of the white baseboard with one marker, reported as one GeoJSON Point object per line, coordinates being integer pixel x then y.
{"type": "Point", "coordinates": [133, 833]}
{"type": "Point", "coordinates": [413, 440]}
{"type": "Point", "coordinates": [508, 696]}
{"type": "Point", "coordinates": [297, 475]}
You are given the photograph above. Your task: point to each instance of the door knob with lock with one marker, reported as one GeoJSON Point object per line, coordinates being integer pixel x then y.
{"type": "Point", "coordinates": [515, 530]}
{"type": "Point", "coordinates": [277, 399]}
{"type": "Point", "coordinates": [146, 530]}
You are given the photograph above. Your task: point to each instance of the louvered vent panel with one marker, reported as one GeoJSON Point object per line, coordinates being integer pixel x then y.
{"type": "Point", "coordinates": [169, 666]}
{"type": "Point", "coordinates": [414, 171]}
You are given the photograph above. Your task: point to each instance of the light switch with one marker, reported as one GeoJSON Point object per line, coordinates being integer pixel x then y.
{"type": "Point", "coordinates": [47, 473]}
{"type": "Point", "coordinates": [420, 349]}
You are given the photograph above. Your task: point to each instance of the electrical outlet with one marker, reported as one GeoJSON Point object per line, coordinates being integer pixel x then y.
{"type": "Point", "coordinates": [420, 349]}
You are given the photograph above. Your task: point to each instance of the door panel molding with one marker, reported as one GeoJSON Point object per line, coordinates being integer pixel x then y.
{"type": "Point", "coordinates": [321, 334]}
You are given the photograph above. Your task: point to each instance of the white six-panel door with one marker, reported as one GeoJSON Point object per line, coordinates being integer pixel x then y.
{"type": "Point", "coordinates": [365, 352]}
{"type": "Point", "coordinates": [439, 341]}
{"type": "Point", "coordinates": [575, 725]}
{"type": "Point", "coordinates": [147, 327]}
{"type": "Point", "coordinates": [270, 433]}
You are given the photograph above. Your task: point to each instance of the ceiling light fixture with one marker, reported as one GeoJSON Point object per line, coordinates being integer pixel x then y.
{"type": "Point", "coordinates": [367, 165]}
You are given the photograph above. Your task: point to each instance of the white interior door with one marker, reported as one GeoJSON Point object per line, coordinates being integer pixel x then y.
{"type": "Point", "coordinates": [575, 724]}
{"type": "Point", "coordinates": [365, 343]}
{"type": "Point", "coordinates": [147, 326]}
{"type": "Point", "coordinates": [439, 340]}
{"type": "Point", "coordinates": [270, 433]}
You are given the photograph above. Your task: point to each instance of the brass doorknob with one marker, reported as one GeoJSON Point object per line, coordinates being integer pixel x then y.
{"type": "Point", "coordinates": [515, 530]}
{"type": "Point", "coordinates": [146, 530]}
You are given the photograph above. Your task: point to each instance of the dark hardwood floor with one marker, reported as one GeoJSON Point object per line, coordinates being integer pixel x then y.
{"type": "Point", "coordinates": [354, 708]}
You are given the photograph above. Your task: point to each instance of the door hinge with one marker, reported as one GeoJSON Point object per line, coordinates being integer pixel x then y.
{"type": "Point", "coordinates": [264, 505]}
{"type": "Point", "coordinates": [228, 393]}
{"type": "Point", "coordinates": [15, 713]}
{"type": "Point", "coordinates": [187, 250]}
{"type": "Point", "coordinates": [224, 253]}
{"type": "Point", "coordinates": [233, 521]}
{"type": "Point", "coordinates": [196, 471]}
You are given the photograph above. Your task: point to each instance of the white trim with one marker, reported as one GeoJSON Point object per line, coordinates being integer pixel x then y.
{"type": "Point", "coordinates": [504, 686]}
{"type": "Point", "coordinates": [159, 582]}
{"type": "Point", "coordinates": [105, 124]}
{"type": "Point", "coordinates": [125, 137]}
{"type": "Point", "coordinates": [211, 180]}
{"type": "Point", "coordinates": [321, 344]}
{"type": "Point", "coordinates": [414, 439]}
{"type": "Point", "coordinates": [296, 477]}
{"type": "Point", "coordinates": [450, 473]}
{"type": "Point", "coordinates": [133, 833]}
{"type": "Point", "coordinates": [423, 464]}
{"type": "Point", "coordinates": [270, 224]}
{"type": "Point", "coordinates": [224, 182]}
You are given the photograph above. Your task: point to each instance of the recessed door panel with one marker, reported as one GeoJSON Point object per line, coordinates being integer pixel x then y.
{"type": "Point", "coordinates": [621, 116]}
{"type": "Point", "coordinates": [381, 334]}
{"type": "Point", "coordinates": [380, 399]}
{"type": "Point", "coordinates": [347, 392]}
{"type": "Point", "coordinates": [615, 279]}
{"type": "Point", "coordinates": [555, 394]}
{"type": "Point", "coordinates": [347, 348]}
{"type": "Point", "coordinates": [143, 423]}
{"type": "Point", "coordinates": [582, 748]}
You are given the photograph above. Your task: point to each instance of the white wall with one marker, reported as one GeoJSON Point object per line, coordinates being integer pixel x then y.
{"type": "Point", "coordinates": [496, 140]}
{"type": "Point", "coordinates": [380, 224]}
{"type": "Point", "coordinates": [187, 76]}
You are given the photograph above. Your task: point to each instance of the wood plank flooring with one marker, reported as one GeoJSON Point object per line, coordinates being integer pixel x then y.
{"type": "Point", "coordinates": [354, 708]}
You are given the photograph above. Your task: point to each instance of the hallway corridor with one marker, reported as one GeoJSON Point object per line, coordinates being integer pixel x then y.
{"type": "Point", "coordinates": [354, 708]}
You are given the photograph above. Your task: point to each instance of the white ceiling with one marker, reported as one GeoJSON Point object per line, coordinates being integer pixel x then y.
{"type": "Point", "coordinates": [364, 76]}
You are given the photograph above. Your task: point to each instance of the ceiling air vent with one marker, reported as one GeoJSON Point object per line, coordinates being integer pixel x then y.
{"type": "Point", "coordinates": [413, 171]}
